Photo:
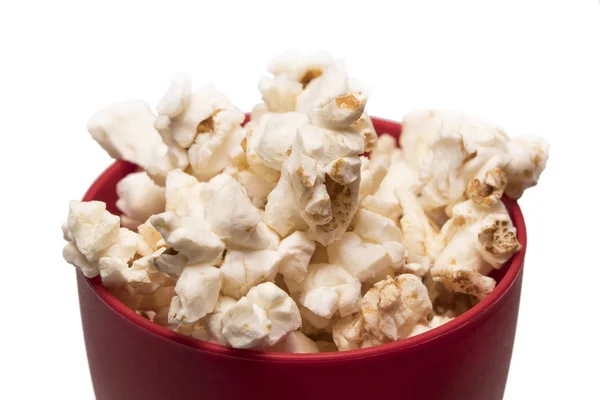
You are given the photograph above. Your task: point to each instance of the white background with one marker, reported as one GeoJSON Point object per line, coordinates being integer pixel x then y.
{"type": "Point", "coordinates": [531, 66]}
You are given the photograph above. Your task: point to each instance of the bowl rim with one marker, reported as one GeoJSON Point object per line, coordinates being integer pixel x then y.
{"type": "Point", "coordinates": [514, 267]}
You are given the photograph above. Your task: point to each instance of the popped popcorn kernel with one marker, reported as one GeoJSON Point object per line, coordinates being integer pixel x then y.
{"type": "Point", "coordinates": [302, 230]}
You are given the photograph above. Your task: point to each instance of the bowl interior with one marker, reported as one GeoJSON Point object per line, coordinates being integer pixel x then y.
{"type": "Point", "coordinates": [104, 189]}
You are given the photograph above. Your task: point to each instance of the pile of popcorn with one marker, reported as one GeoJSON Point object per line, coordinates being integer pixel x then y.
{"type": "Point", "coordinates": [282, 235]}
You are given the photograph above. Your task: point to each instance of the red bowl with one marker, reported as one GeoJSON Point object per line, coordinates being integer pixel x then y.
{"type": "Point", "coordinates": [132, 358]}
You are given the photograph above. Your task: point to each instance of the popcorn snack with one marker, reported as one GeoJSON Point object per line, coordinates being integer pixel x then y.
{"type": "Point", "coordinates": [283, 235]}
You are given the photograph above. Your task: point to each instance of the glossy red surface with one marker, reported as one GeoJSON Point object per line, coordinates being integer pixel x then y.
{"type": "Point", "coordinates": [132, 358]}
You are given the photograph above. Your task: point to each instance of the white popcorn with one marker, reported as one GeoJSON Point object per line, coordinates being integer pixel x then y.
{"type": "Point", "coordinates": [150, 239]}
{"type": "Point", "coordinates": [213, 322]}
{"type": "Point", "coordinates": [384, 200]}
{"type": "Point", "coordinates": [365, 127]}
{"type": "Point", "coordinates": [175, 101]}
{"type": "Point", "coordinates": [184, 194]}
{"type": "Point", "coordinates": [283, 235]}
{"type": "Point", "coordinates": [414, 269]}
{"type": "Point", "coordinates": [528, 158]}
{"type": "Point", "coordinates": [255, 130]}
{"type": "Point", "coordinates": [230, 214]}
{"type": "Point", "coordinates": [74, 257]}
{"type": "Point", "coordinates": [419, 236]}
{"type": "Point", "coordinates": [282, 212]}
{"type": "Point", "coordinates": [476, 241]}
{"type": "Point", "coordinates": [292, 74]}
{"type": "Point", "coordinates": [266, 145]}
{"type": "Point", "coordinates": [421, 327]}
{"type": "Point", "coordinates": [197, 292]}
{"type": "Point", "coordinates": [275, 143]}
{"type": "Point", "coordinates": [349, 333]}
{"type": "Point", "coordinates": [324, 172]}
{"type": "Point", "coordinates": [117, 259]}
{"type": "Point", "coordinates": [242, 270]}
{"type": "Point", "coordinates": [169, 261]}
{"type": "Point", "coordinates": [126, 131]}
{"type": "Point", "coordinates": [376, 228]}
{"type": "Point", "coordinates": [374, 169]}
{"type": "Point", "coordinates": [458, 157]}
{"type": "Point", "coordinates": [419, 130]}
{"type": "Point", "coordinates": [487, 187]}
{"type": "Point", "coordinates": [203, 123]}
{"type": "Point", "coordinates": [332, 83]}
{"type": "Point", "coordinates": [295, 342]}
{"type": "Point", "coordinates": [190, 236]}
{"type": "Point", "coordinates": [257, 188]}
{"type": "Point", "coordinates": [263, 317]}
{"type": "Point", "coordinates": [313, 324]}
{"type": "Point", "coordinates": [326, 289]}
{"type": "Point", "coordinates": [365, 260]}
{"type": "Point", "coordinates": [296, 251]}
{"type": "Point", "coordinates": [114, 264]}
{"type": "Point", "coordinates": [92, 228]}
{"type": "Point", "coordinates": [392, 307]}
{"type": "Point", "coordinates": [279, 93]}
{"type": "Point", "coordinates": [139, 197]}
{"type": "Point", "coordinates": [91, 231]}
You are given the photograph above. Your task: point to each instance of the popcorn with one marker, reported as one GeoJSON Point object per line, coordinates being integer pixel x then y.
{"type": "Point", "coordinates": [372, 250]}
{"type": "Point", "coordinates": [92, 228]}
{"type": "Point", "coordinates": [230, 214]}
{"type": "Point", "coordinates": [183, 194]}
{"type": "Point", "coordinates": [374, 169]}
{"type": "Point", "coordinates": [255, 130]}
{"type": "Point", "coordinates": [150, 239]}
{"type": "Point", "coordinates": [384, 200]}
{"type": "Point", "coordinates": [476, 242]}
{"type": "Point", "coordinates": [242, 270]}
{"type": "Point", "coordinates": [119, 261]}
{"type": "Point", "coordinates": [283, 235]}
{"type": "Point", "coordinates": [139, 198]}
{"type": "Point", "coordinates": [263, 317]}
{"type": "Point", "coordinates": [313, 324]}
{"type": "Point", "coordinates": [528, 158]}
{"type": "Point", "coordinates": [197, 292]}
{"type": "Point", "coordinates": [292, 74]}
{"type": "Point", "coordinates": [418, 233]}
{"type": "Point", "coordinates": [296, 251]}
{"type": "Point", "coordinates": [465, 150]}
{"type": "Point", "coordinates": [191, 237]}
{"type": "Point", "coordinates": [213, 322]}
{"type": "Point", "coordinates": [126, 131]}
{"type": "Point", "coordinates": [279, 93]}
{"type": "Point", "coordinates": [376, 228]}
{"type": "Point", "coordinates": [274, 145]}
{"type": "Point", "coordinates": [282, 212]}
{"type": "Point", "coordinates": [366, 261]}
{"type": "Point", "coordinates": [74, 257]}
{"type": "Point", "coordinates": [460, 157]}
{"type": "Point", "coordinates": [267, 145]}
{"type": "Point", "coordinates": [295, 342]}
{"type": "Point", "coordinates": [349, 333]}
{"type": "Point", "coordinates": [332, 83]}
{"type": "Point", "coordinates": [203, 123]}
{"type": "Point", "coordinates": [324, 172]}
{"type": "Point", "coordinates": [326, 289]}
{"type": "Point", "coordinates": [393, 307]}
{"type": "Point", "coordinates": [113, 265]}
